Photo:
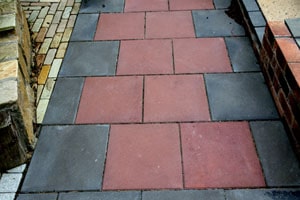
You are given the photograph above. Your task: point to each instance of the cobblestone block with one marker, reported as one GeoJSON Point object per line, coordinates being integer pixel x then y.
{"type": "Point", "coordinates": [50, 56]}
{"type": "Point", "coordinates": [62, 5]}
{"type": "Point", "coordinates": [75, 9]}
{"type": "Point", "coordinates": [67, 35]}
{"type": "Point", "coordinates": [47, 21]}
{"type": "Point", "coordinates": [61, 50]}
{"type": "Point", "coordinates": [67, 13]}
{"type": "Point", "coordinates": [52, 30]}
{"type": "Point", "coordinates": [62, 25]}
{"type": "Point", "coordinates": [71, 21]}
{"type": "Point", "coordinates": [41, 35]}
{"type": "Point", "coordinates": [53, 8]}
{"type": "Point", "coordinates": [57, 17]}
{"type": "Point", "coordinates": [45, 46]}
{"type": "Point", "coordinates": [37, 25]}
{"type": "Point", "coordinates": [56, 40]}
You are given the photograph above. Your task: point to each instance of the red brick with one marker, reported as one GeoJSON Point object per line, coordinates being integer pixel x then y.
{"type": "Point", "coordinates": [175, 98]}
{"type": "Point", "coordinates": [201, 55]}
{"type": "Point", "coordinates": [146, 5]}
{"type": "Point", "coordinates": [220, 155]}
{"type": "Point", "coordinates": [111, 100]}
{"type": "Point", "coordinates": [143, 156]}
{"type": "Point", "coordinates": [177, 24]}
{"type": "Point", "coordinates": [279, 28]}
{"type": "Point", "coordinates": [191, 4]}
{"type": "Point", "coordinates": [289, 49]}
{"type": "Point", "coordinates": [145, 57]}
{"type": "Point", "coordinates": [117, 26]}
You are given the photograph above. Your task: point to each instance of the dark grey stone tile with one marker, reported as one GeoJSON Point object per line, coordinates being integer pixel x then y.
{"type": "Point", "coordinates": [68, 158]}
{"type": "Point", "coordinates": [214, 23]}
{"type": "Point", "coordinates": [294, 26]}
{"type": "Point", "coordinates": [260, 31]}
{"type": "Point", "coordinates": [97, 6]}
{"type": "Point", "coordinates": [257, 19]}
{"type": "Point", "coordinates": [239, 96]}
{"type": "Point", "coordinates": [62, 108]}
{"type": "Point", "coordinates": [222, 4]}
{"type": "Point", "coordinates": [47, 196]}
{"type": "Point", "coordinates": [251, 5]}
{"type": "Point", "coordinates": [132, 195]}
{"type": "Point", "coordinates": [241, 54]}
{"type": "Point", "coordinates": [280, 165]}
{"type": "Point", "coordinates": [184, 194]}
{"type": "Point", "coordinates": [269, 194]}
{"type": "Point", "coordinates": [298, 42]}
{"type": "Point", "coordinates": [90, 59]}
{"type": "Point", "coordinates": [85, 27]}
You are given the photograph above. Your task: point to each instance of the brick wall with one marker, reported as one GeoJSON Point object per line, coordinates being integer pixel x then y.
{"type": "Point", "coordinates": [280, 59]}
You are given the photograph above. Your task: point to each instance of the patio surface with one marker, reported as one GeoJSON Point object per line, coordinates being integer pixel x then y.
{"type": "Point", "coordinates": [160, 100]}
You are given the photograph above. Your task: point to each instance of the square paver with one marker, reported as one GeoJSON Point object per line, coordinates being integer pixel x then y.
{"type": "Point", "coordinates": [184, 194]}
{"type": "Point", "coordinates": [68, 158]}
{"type": "Point", "coordinates": [90, 59]}
{"type": "Point", "coordinates": [103, 6]}
{"type": "Point", "coordinates": [250, 5]}
{"type": "Point", "coordinates": [241, 54]}
{"type": "Point", "coordinates": [143, 156]}
{"type": "Point", "coordinates": [85, 27]}
{"type": "Point", "coordinates": [47, 196]}
{"type": "Point", "coordinates": [220, 155]}
{"type": "Point", "coordinates": [64, 101]}
{"type": "Point", "coordinates": [263, 194]}
{"type": "Point", "coordinates": [221, 4]}
{"type": "Point", "coordinates": [191, 5]}
{"type": "Point", "coordinates": [257, 18]}
{"type": "Point", "coordinates": [294, 26]}
{"type": "Point", "coordinates": [239, 96]}
{"type": "Point", "coordinates": [9, 182]}
{"type": "Point", "coordinates": [111, 100]}
{"type": "Point", "coordinates": [118, 26]}
{"type": "Point", "coordinates": [214, 23]}
{"type": "Point", "coordinates": [278, 160]}
{"type": "Point", "coordinates": [175, 98]}
{"type": "Point", "coordinates": [132, 195]}
{"type": "Point", "coordinates": [145, 57]}
{"type": "Point", "coordinates": [201, 55]}
{"type": "Point", "coordinates": [176, 24]}
{"type": "Point", "coordinates": [145, 5]}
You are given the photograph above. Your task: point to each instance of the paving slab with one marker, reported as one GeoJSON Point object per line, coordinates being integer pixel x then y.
{"type": "Point", "coordinates": [85, 27]}
{"type": "Point", "coordinates": [294, 26]}
{"type": "Point", "coordinates": [241, 54]}
{"type": "Point", "coordinates": [263, 194]}
{"type": "Point", "coordinates": [46, 196]}
{"type": "Point", "coordinates": [214, 23]}
{"type": "Point", "coordinates": [130, 195]}
{"type": "Point", "coordinates": [68, 158]}
{"type": "Point", "coordinates": [101, 6]}
{"type": "Point", "coordinates": [62, 110]}
{"type": "Point", "coordinates": [97, 59]}
{"type": "Point", "coordinates": [281, 167]}
{"type": "Point", "coordinates": [191, 5]}
{"type": "Point", "coordinates": [250, 5]}
{"type": "Point", "coordinates": [222, 4]}
{"type": "Point", "coordinates": [9, 182]}
{"type": "Point", "coordinates": [184, 194]}
{"type": "Point", "coordinates": [257, 19]}
{"type": "Point", "coordinates": [239, 96]}
{"type": "Point", "coordinates": [7, 196]}
{"type": "Point", "coordinates": [145, 5]}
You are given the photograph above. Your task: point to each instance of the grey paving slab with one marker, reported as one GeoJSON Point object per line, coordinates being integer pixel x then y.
{"type": "Point", "coordinates": [241, 54]}
{"type": "Point", "coordinates": [239, 96]}
{"type": "Point", "coordinates": [298, 41]}
{"type": "Point", "coordinates": [62, 107]}
{"type": "Point", "coordinates": [250, 5]}
{"type": "Point", "coordinates": [68, 158]}
{"type": "Point", "coordinates": [7, 196]}
{"type": "Point", "coordinates": [46, 196]}
{"type": "Point", "coordinates": [257, 19]}
{"type": "Point", "coordinates": [9, 182]}
{"type": "Point", "coordinates": [294, 26]}
{"type": "Point", "coordinates": [90, 59]}
{"type": "Point", "coordinates": [184, 194]}
{"type": "Point", "coordinates": [96, 6]}
{"type": "Point", "coordinates": [213, 23]}
{"type": "Point", "coordinates": [279, 163]}
{"type": "Point", "coordinates": [128, 195]}
{"type": "Point", "coordinates": [85, 27]}
{"type": "Point", "coordinates": [260, 31]}
{"type": "Point", "coordinates": [222, 4]}
{"type": "Point", "coordinates": [263, 194]}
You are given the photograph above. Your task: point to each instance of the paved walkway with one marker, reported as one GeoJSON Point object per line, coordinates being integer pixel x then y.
{"type": "Point", "coordinates": [160, 100]}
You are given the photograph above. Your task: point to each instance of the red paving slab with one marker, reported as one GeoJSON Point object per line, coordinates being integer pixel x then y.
{"type": "Point", "coordinates": [144, 156]}
{"type": "Point", "coordinates": [201, 55]}
{"type": "Point", "coordinates": [191, 4]}
{"type": "Point", "coordinates": [118, 26]}
{"type": "Point", "coordinates": [111, 100]}
{"type": "Point", "coordinates": [145, 57]}
{"type": "Point", "coordinates": [176, 24]}
{"type": "Point", "coordinates": [175, 98]}
{"type": "Point", "coordinates": [220, 155]}
{"type": "Point", "coordinates": [145, 5]}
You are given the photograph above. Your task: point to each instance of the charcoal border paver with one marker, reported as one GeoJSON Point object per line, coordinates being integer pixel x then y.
{"type": "Point", "coordinates": [90, 59]}
{"type": "Point", "coordinates": [103, 6]}
{"type": "Point", "coordinates": [215, 23]}
{"type": "Point", "coordinates": [128, 195]}
{"type": "Point", "coordinates": [62, 108]}
{"type": "Point", "coordinates": [280, 165]}
{"type": "Point", "coordinates": [85, 27]}
{"type": "Point", "coordinates": [68, 158]}
{"type": "Point", "coordinates": [222, 4]}
{"type": "Point", "coordinates": [239, 96]}
{"type": "Point", "coordinates": [263, 194]}
{"type": "Point", "coordinates": [47, 196]}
